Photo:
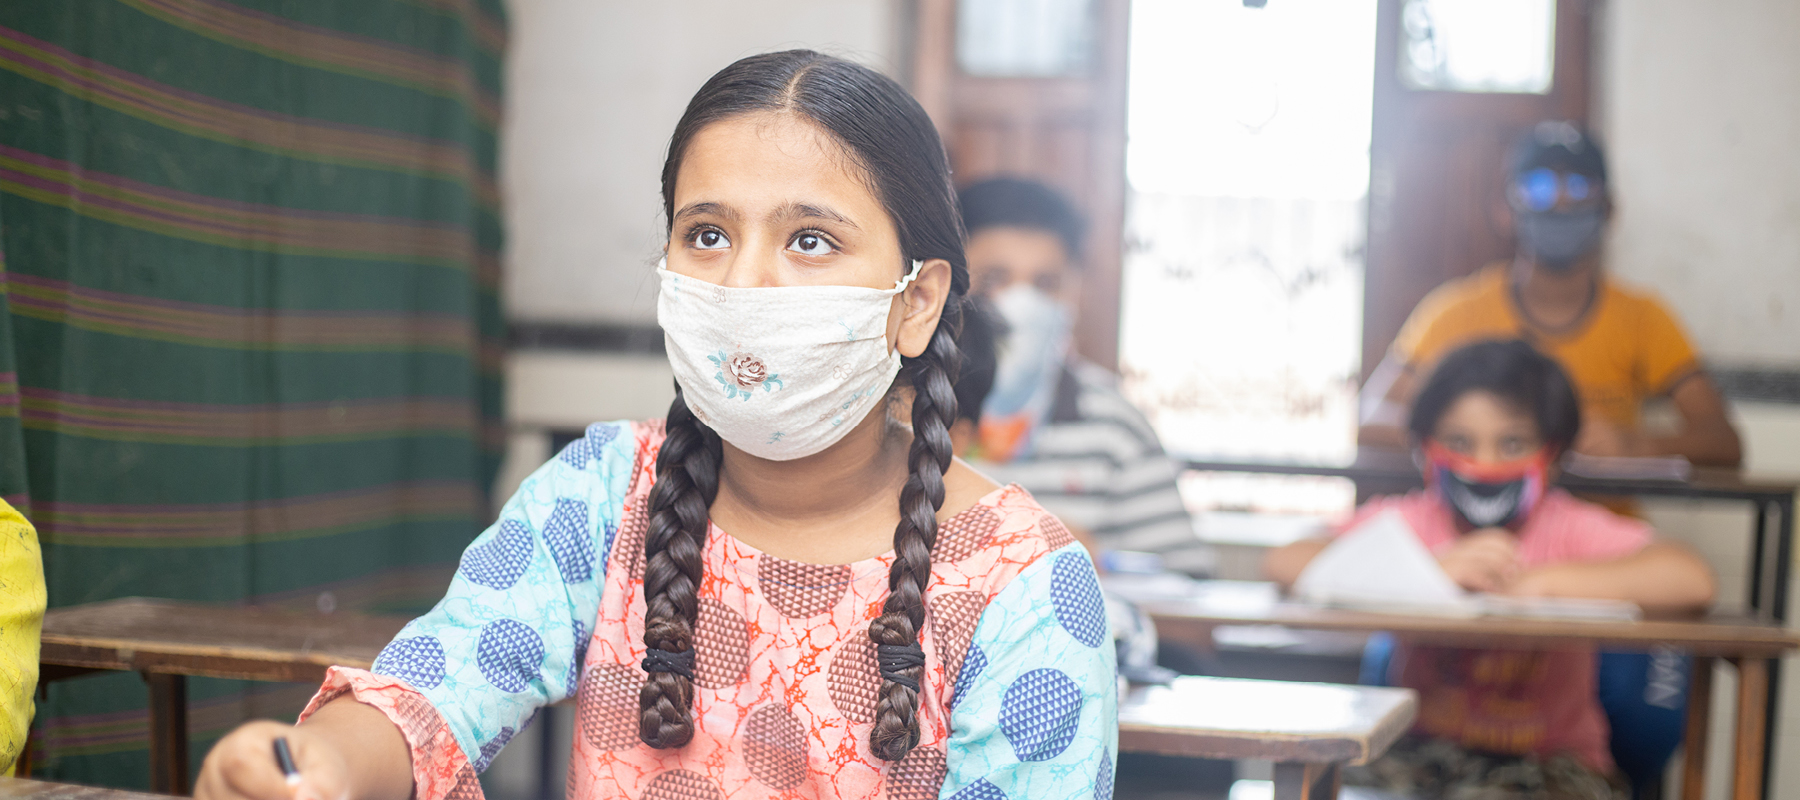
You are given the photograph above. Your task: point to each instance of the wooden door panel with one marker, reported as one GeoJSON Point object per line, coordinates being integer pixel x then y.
{"type": "Point", "coordinates": [1068, 132]}
{"type": "Point", "coordinates": [1437, 164]}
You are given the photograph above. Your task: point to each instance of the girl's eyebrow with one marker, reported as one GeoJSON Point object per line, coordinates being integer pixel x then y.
{"type": "Point", "coordinates": [707, 207]}
{"type": "Point", "coordinates": [793, 211]}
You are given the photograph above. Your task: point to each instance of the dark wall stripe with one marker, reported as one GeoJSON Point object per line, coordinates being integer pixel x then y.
{"type": "Point", "coordinates": [1759, 385]}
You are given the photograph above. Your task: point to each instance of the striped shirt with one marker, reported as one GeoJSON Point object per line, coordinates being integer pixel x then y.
{"type": "Point", "coordinates": [1096, 463]}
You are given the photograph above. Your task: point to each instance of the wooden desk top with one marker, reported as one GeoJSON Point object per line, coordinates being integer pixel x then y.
{"type": "Point", "coordinates": [1216, 603]}
{"type": "Point", "coordinates": [44, 790]}
{"type": "Point", "coordinates": [170, 637]}
{"type": "Point", "coordinates": [1274, 720]}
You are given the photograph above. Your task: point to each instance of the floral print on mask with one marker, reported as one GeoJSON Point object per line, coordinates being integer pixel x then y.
{"type": "Point", "coordinates": [741, 373]}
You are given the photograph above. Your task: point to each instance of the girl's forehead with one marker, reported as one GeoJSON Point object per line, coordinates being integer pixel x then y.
{"type": "Point", "coordinates": [770, 158]}
{"type": "Point", "coordinates": [1483, 408]}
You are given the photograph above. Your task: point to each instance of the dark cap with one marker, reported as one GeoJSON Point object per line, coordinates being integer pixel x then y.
{"type": "Point", "coordinates": [1560, 145]}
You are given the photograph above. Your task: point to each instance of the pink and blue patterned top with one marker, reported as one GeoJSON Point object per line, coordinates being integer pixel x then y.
{"type": "Point", "coordinates": [1019, 698]}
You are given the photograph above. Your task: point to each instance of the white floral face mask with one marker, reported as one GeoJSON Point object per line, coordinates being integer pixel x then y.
{"type": "Point", "coordinates": [780, 372]}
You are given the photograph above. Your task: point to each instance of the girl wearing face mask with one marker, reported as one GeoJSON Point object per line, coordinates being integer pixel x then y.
{"type": "Point", "coordinates": [1489, 426]}
{"type": "Point", "coordinates": [779, 590]}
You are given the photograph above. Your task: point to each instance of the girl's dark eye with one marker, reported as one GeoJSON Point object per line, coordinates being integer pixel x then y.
{"type": "Point", "coordinates": [810, 244]}
{"type": "Point", "coordinates": [710, 239]}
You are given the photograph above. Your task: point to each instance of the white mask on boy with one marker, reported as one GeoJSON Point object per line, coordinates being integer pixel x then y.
{"type": "Point", "coordinates": [780, 372]}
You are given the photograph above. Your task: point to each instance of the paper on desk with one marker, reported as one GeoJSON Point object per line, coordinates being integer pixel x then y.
{"type": "Point", "coordinates": [1382, 565]}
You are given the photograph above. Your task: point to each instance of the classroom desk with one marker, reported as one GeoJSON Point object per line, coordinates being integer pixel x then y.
{"type": "Point", "coordinates": [23, 789]}
{"type": "Point", "coordinates": [166, 641]}
{"type": "Point", "coordinates": [1751, 644]}
{"type": "Point", "coordinates": [1381, 470]}
{"type": "Point", "coordinates": [1310, 730]}
{"type": "Point", "coordinates": [1384, 470]}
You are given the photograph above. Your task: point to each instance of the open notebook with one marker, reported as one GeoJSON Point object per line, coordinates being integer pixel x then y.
{"type": "Point", "coordinates": [1381, 566]}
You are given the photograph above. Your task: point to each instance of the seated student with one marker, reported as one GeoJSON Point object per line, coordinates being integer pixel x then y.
{"type": "Point", "coordinates": [1054, 423]}
{"type": "Point", "coordinates": [1134, 633]}
{"type": "Point", "coordinates": [21, 620]}
{"type": "Point", "coordinates": [737, 597]}
{"type": "Point", "coordinates": [1619, 344]}
{"type": "Point", "coordinates": [1491, 422]}
{"type": "Point", "coordinates": [978, 339]}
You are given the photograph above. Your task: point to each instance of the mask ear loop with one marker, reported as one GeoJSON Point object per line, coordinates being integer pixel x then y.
{"type": "Point", "coordinates": [900, 285]}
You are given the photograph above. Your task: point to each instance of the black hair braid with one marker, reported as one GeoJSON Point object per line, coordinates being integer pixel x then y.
{"type": "Point", "coordinates": [687, 480]}
{"type": "Point", "coordinates": [896, 730]}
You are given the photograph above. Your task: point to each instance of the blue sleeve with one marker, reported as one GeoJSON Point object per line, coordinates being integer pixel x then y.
{"type": "Point", "coordinates": [1035, 710]}
{"type": "Point", "coordinates": [510, 634]}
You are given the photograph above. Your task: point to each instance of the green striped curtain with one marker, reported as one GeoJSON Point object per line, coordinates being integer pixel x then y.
{"type": "Point", "coordinates": [249, 333]}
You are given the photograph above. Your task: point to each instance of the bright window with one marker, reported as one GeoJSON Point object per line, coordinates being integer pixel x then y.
{"type": "Point", "coordinates": [1248, 160]}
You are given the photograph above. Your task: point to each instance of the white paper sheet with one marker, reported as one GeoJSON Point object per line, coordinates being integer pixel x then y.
{"type": "Point", "coordinates": [1382, 565]}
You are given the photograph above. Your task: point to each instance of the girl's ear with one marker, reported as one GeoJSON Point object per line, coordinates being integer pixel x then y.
{"type": "Point", "coordinates": [922, 305]}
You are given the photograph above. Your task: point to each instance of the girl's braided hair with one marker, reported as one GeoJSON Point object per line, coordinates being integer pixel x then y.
{"type": "Point", "coordinates": [887, 134]}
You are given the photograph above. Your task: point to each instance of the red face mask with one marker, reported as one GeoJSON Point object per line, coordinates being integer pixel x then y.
{"type": "Point", "coordinates": [1487, 495]}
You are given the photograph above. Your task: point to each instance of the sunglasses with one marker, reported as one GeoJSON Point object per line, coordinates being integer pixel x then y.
{"type": "Point", "coordinates": [1538, 189]}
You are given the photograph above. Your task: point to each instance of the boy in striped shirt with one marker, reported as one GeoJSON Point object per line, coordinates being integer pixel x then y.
{"type": "Point", "coordinates": [1054, 423]}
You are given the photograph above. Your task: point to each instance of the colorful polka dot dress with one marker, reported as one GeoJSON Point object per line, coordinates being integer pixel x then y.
{"type": "Point", "coordinates": [1019, 698]}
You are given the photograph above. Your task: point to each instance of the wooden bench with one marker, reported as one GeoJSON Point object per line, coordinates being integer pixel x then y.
{"type": "Point", "coordinates": [166, 641]}
{"type": "Point", "coordinates": [1310, 730]}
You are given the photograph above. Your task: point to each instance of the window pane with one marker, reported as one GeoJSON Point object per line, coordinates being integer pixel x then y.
{"type": "Point", "coordinates": [1023, 38]}
{"type": "Point", "coordinates": [1478, 45]}
{"type": "Point", "coordinates": [1248, 158]}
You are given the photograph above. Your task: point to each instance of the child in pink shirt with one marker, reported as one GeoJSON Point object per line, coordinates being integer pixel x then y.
{"type": "Point", "coordinates": [1490, 426]}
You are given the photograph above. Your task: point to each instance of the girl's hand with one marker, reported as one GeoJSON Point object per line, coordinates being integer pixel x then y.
{"type": "Point", "coordinates": [242, 766]}
{"type": "Point", "coordinates": [1485, 560]}
{"type": "Point", "coordinates": [1536, 583]}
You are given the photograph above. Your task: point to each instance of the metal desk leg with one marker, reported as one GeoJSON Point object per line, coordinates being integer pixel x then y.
{"type": "Point", "coordinates": [168, 733]}
{"type": "Point", "coordinates": [1299, 781]}
{"type": "Point", "coordinates": [1783, 510]}
{"type": "Point", "coordinates": [1759, 551]}
{"type": "Point", "coordinates": [1699, 718]}
{"type": "Point", "coordinates": [1784, 553]}
{"type": "Point", "coordinates": [1752, 724]}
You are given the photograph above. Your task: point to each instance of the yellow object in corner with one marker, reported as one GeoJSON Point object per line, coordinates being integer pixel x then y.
{"type": "Point", "coordinates": [21, 621]}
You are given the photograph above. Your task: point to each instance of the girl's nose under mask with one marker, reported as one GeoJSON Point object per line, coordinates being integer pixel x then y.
{"type": "Point", "coordinates": [1487, 495]}
{"type": "Point", "coordinates": [779, 372]}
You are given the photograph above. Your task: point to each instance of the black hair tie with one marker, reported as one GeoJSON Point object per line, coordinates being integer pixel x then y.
{"type": "Point", "coordinates": [679, 662]}
{"type": "Point", "coordinates": [895, 658]}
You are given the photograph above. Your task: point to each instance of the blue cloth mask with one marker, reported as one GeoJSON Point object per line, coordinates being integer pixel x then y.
{"type": "Point", "coordinates": [1560, 238]}
{"type": "Point", "coordinates": [1030, 358]}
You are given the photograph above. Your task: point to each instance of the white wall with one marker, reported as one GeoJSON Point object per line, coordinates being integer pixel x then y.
{"type": "Point", "coordinates": [1700, 106]}
{"type": "Point", "coordinates": [1700, 103]}
{"type": "Point", "coordinates": [593, 90]}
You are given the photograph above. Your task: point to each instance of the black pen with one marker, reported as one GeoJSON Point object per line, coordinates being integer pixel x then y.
{"type": "Point", "coordinates": [284, 758]}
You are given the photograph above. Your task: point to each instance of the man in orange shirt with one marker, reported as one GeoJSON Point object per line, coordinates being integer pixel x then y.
{"type": "Point", "coordinates": [1619, 344]}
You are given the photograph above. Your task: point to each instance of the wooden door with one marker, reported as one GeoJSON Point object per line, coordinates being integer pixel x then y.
{"type": "Point", "coordinates": [1437, 169]}
{"type": "Point", "coordinates": [1067, 131]}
